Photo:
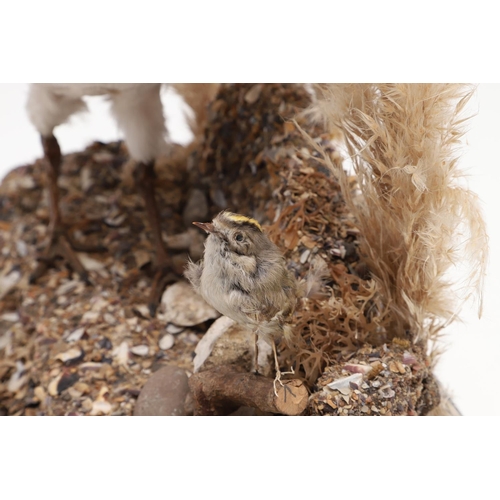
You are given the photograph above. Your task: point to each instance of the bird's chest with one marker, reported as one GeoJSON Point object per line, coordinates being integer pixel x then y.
{"type": "Point", "coordinates": [228, 284]}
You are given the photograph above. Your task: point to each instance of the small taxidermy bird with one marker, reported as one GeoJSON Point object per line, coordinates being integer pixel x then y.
{"type": "Point", "coordinates": [243, 275]}
{"type": "Point", "coordinates": [138, 110]}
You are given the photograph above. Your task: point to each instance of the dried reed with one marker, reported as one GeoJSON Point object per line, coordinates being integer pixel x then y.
{"type": "Point", "coordinates": [416, 218]}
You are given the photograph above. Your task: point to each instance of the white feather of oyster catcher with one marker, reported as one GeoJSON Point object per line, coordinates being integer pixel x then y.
{"type": "Point", "coordinates": [137, 108]}
{"type": "Point", "coordinates": [182, 306]}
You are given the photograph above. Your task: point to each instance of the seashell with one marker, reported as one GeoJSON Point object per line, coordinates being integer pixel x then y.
{"type": "Point", "coordinates": [343, 384]}
{"type": "Point", "coordinates": [356, 368]}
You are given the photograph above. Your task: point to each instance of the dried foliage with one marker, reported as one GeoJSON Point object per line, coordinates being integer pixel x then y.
{"type": "Point", "coordinates": [416, 219]}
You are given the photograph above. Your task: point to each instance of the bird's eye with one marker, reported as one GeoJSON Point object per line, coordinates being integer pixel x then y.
{"type": "Point", "coordinates": [238, 237]}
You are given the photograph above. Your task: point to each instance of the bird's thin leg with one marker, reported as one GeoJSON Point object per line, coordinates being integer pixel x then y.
{"type": "Point", "coordinates": [146, 179]}
{"type": "Point", "coordinates": [60, 244]}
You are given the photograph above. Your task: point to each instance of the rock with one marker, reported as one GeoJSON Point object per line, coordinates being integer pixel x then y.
{"type": "Point", "coordinates": [121, 353]}
{"type": "Point", "coordinates": [89, 263]}
{"type": "Point", "coordinates": [226, 342]}
{"type": "Point", "coordinates": [40, 393]}
{"type": "Point", "coordinates": [11, 317]}
{"type": "Point", "coordinates": [174, 329]}
{"type": "Point", "coordinates": [66, 381]}
{"type": "Point", "coordinates": [164, 394]}
{"type": "Point", "coordinates": [142, 310]}
{"type": "Point", "coordinates": [252, 95]}
{"type": "Point", "coordinates": [53, 385]}
{"type": "Point", "coordinates": [18, 378]}
{"type": "Point", "coordinates": [184, 307]}
{"type": "Point", "coordinates": [142, 258]}
{"type": "Point", "coordinates": [72, 356]}
{"type": "Point", "coordinates": [166, 342]}
{"type": "Point", "coordinates": [75, 335]}
{"type": "Point", "coordinates": [8, 281]}
{"type": "Point", "coordinates": [140, 350]}
{"type": "Point", "coordinates": [6, 340]}
{"type": "Point", "coordinates": [100, 408]}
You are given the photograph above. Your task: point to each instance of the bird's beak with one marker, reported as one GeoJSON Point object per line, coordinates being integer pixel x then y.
{"type": "Point", "coordinates": [208, 227]}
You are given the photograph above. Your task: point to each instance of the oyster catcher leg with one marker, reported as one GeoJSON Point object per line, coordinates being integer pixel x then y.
{"type": "Point", "coordinates": [59, 244]}
{"type": "Point", "coordinates": [146, 176]}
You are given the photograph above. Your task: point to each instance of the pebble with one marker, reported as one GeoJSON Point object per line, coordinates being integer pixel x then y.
{"type": "Point", "coordinates": [357, 368]}
{"type": "Point", "coordinates": [22, 248]}
{"type": "Point", "coordinates": [109, 318]}
{"type": "Point", "coordinates": [304, 256]}
{"type": "Point", "coordinates": [142, 310]}
{"type": "Point", "coordinates": [166, 342]}
{"type": "Point", "coordinates": [40, 393]}
{"type": "Point", "coordinates": [52, 388]}
{"type": "Point", "coordinates": [18, 378]}
{"type": "Point", "coordinates": [11, 317]}
{"type": "Point", "coordinates": [66, 381]}
{"type": "Point", "coordinates": [67, 287]}
{"type": "Point", "coordinates": [184, 307]}
{"type": "Point", "coordinates": [89, 263]}
{"type": "Point", "coordinates": [253, 94]}
{"type": "Point", "coordinates": [90, 366]}
{"type": "Point", "coordinates": [174, 329]}
{"type": "Point", "coordinates": [90, 317]}
{"type": "Point", "coordinates": [76, 335]}
{"type": "Point", "coordinates": [115, 221]}
{"type": "Point", "coordinates": [8, 281]}
{"type": "Point", "coordinates": [140, 350]}
{"type": "Point", "coordinates": [393, 367]}
{"type": "Point", "coordinates": [6, 340]}
{"type": "Point", "coordinates": [71, 356]}
{"type": "Point", "coordinates": [164, 394]}
{"type": "Point", "coordinates": [99, 407]}
{"type": "Point", "coordinates": [82, 387]}
{"type": "Point", "coordinates": [62, 300]}
{"type": "Point", "coordinates": [87, 404]}
{"type": "Point", "coordinates": [74, 393]}
{"type": "Point", "coordinates": [104, 343]}
{"type": "Point", "coordinates": [121, 353]}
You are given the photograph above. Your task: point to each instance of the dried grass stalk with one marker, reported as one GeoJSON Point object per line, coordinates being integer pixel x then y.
{"type": "Point", "coordinates": [416, 218]}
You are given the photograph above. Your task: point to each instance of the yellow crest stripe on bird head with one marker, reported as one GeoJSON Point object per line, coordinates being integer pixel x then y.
{"type": "Point", "coordinates": [242, 219]}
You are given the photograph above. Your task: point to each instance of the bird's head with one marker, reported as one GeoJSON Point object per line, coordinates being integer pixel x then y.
{"type": "Point", "coordinates": [237, 233]}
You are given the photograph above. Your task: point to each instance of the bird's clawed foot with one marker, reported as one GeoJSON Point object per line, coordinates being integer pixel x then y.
{"type": "Point", "coordinates": [60, 245]}
{"type": "Point", "coordinates": [277, 379]}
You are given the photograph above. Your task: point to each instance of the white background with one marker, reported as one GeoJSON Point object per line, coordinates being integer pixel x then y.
{"type": "Point", "coordinates": [468, 367]}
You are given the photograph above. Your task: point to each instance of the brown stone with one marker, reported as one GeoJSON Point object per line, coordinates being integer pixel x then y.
{"type": "Point", "coordinates": [164, 393]}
